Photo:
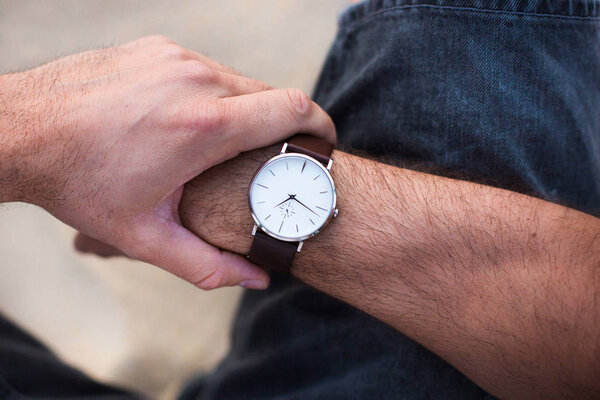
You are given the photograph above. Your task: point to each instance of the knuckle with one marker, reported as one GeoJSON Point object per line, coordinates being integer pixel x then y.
{"type": "Point", "coordinates": [210, 117]}
{"type": "Point", "coordinates": [196, 70]}
{"type": "Point", "coordinates": [211, 280]}
{"type": "Point", "coordinates": [299, 103]}
{"type": "Point", "coordinates": [158, 39]}
{"type": "Point", "coordinates": [173, 51]}
{"type": "Point", "coordinates": [260, 84]}
{"type": "Point", "coordinates": [153, 41]}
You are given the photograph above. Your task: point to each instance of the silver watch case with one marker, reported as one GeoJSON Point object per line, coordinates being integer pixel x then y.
{"type": "Point", "coordinates": [332, 213]}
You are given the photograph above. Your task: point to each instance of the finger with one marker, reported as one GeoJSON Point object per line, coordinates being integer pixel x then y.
{"type": "Point", "coordinates": [222, 84]}
{"type": "Point", "coordinates": [264, 118]}
{"type": "Point", "coordinates": [242, 85]}
{"type": "Point", "coordinates": [184, 254]}
{"type": "Point", "coordinates": [86, 244]}
{"type": "Point", "coordinates": [158, 46]}
{"type": "Point", "coordinates": [213, 64]}
{"type": "Point", "coordinates": [225, 80]}
{"type": "Point", "coordinates": [239, 83]}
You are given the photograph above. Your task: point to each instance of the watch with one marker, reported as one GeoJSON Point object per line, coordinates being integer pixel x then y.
{"type": "Point", "coordinates": [292, 198]}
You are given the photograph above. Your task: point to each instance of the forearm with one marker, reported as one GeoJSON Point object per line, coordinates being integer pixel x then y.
{"type": "Point", "coordinates": [23, 119]}
{"type": "Point", "coordinates": [499, 284]}
{"type": "Point", "coordinates": [9, 139]}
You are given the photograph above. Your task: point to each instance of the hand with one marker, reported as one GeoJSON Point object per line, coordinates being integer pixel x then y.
{"type": "Point", "coordinates": [108, 139]}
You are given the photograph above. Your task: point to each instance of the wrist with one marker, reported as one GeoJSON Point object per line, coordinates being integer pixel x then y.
{"type": "Point", "coordinates": [349, 250]}
{"type": "Point", "coordinates": [215, 204]}
{"type": "Point", "coordinates": [215, 207]}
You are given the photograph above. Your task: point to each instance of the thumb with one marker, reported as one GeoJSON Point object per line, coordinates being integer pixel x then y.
{"type": "Point", "coordinates": [267, 117]}
{"type": "Point", "coordinates": [175, 249]}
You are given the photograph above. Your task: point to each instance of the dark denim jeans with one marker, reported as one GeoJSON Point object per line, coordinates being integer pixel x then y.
{"type": "Point", "coordinates": [501, 92]}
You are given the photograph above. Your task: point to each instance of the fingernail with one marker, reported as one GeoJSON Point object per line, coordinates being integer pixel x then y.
{"type": "Point", "coordinates": [253, 284]}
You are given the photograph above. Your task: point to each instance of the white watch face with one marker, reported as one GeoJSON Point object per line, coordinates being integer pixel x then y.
{"type": "Point", "coordinates": [292, 196]}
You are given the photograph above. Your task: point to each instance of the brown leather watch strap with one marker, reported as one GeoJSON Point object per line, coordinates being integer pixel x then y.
{"type": "Point", "coordinates": [312, 146]}
{"type": "Point", "coordinates": [271, 253]}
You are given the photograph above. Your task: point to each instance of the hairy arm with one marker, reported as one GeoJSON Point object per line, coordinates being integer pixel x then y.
{"type": "Point", "coordinates": [17, 137]}
{"type": "Point", "coordinates": [503, 286]}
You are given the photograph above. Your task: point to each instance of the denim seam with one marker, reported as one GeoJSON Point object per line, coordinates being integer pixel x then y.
{"type": "Point", "coordinates": [350, 25]}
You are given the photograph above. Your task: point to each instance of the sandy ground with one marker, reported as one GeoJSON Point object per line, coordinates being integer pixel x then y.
{"type": "Point", "coordinates": [123, 321]}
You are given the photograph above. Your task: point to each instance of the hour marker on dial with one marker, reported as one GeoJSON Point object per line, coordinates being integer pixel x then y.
{"type": "Point", "coordinates": [303, 166]}
{"type": "Point", "coordinates": [262, 186]}
{"type": "Point", "coordinates": [321, 208]}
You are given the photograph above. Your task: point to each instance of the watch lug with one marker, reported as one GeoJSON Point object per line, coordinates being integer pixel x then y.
{"type": "Point", "coordinates": [254, 230]}
{"type": "Point", "coordinates": [284, 148]}
{"type": "Point", "coordinates": [330, 164]}
{"type": "Point", "coordinates": [300, 247]}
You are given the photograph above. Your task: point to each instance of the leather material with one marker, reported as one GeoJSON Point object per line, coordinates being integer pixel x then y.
{"type": "Point", "coordinates": [312, 146]}
{"type": "Point", "coordinates": [271, 253]}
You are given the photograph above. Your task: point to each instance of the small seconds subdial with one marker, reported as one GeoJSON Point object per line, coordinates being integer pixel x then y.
{"type": "Point", "coordinates": [292, 197]}
{"type": "Point", "coordinates": [287, 209]}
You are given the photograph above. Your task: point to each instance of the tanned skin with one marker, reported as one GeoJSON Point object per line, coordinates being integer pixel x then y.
{"type": "Point", "coordinates": [503, 286]}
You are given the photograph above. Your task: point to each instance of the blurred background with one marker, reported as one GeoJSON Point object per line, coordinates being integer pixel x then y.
{"type": "Point", "coordinates": [122, 321]}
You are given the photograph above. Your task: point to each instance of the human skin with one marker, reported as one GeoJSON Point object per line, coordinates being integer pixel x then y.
{"type": "Point", "coordinates": [105, 141]}
{"type": "Point", "coordinates": [503, 286]}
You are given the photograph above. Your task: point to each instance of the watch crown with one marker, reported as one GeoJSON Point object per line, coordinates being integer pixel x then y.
{"type": "Point", "coordinates": [335, 213]}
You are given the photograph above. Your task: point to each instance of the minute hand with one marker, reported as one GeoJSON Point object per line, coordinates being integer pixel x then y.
{"type": "Point", "coordinates": [303, 205]}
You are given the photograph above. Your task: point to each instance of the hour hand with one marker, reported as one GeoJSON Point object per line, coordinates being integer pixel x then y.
{"type": "Point", "coordinates": [291, 197]}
